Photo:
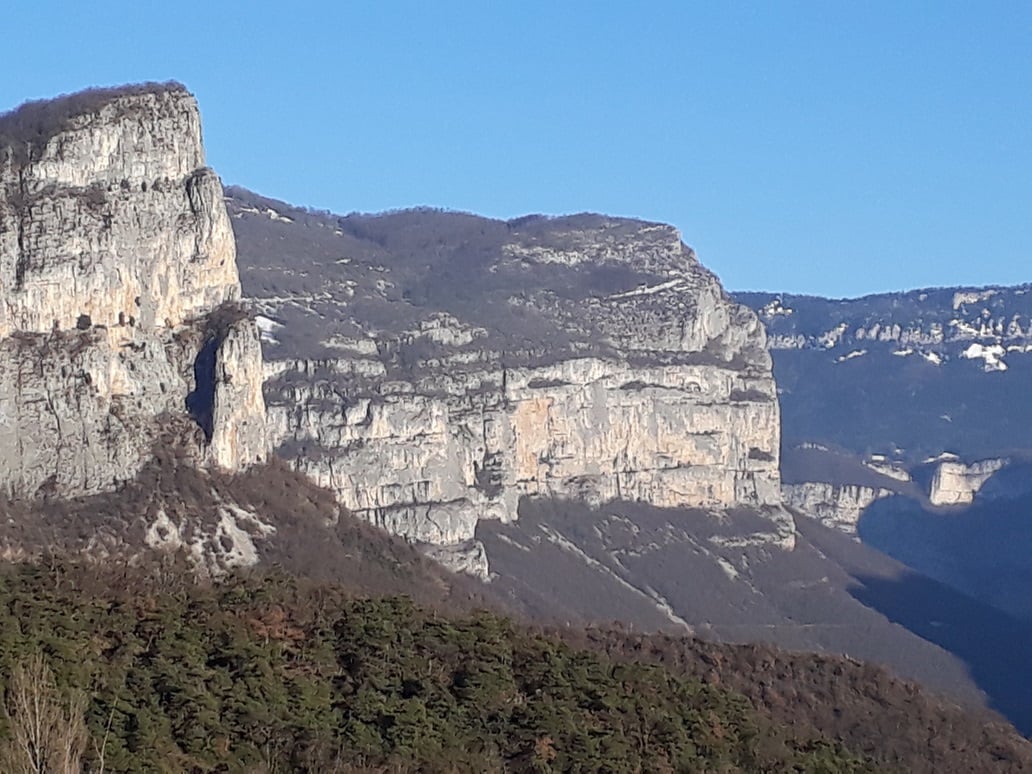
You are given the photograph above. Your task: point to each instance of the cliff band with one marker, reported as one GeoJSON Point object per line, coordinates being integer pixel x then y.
{"type": "Point", "coordinates": [434, 368]}
{"type": "Point", "coordinates": [116, 252]}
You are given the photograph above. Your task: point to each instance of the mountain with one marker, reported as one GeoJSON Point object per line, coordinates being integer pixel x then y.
{"type": "Point", "coordinates": [570, 410]}
{"type": "Point", "coordinates": [118, 273]}
{"type": "Point", "coordinates": [574, 412]}
{"type": "Point", "coordinates": [905, 426]}
{"type": "Point", "coordinates": [433, 368]}
{"type": "Point", "coordinates": [905, 375]}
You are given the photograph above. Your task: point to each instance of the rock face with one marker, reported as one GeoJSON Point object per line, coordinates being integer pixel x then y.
{"type": "Point", "coordinates": [433, 368]}
{"type": "Point", "coordinates": [955, 483]}
{"type": "Point", "coordinates": [834, 505]}
{"type": "Point", "coordinates": [115, 252]}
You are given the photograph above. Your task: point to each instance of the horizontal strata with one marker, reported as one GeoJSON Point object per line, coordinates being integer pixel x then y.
{"type": "Point", "coordinates": [432, 368]}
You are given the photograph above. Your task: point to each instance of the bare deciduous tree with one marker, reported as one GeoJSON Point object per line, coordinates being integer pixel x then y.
{"type": "Point", "coordinates": [46, 729]}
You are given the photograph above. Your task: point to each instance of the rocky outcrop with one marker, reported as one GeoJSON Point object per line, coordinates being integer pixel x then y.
{"type": "Point", "coordinates": [429, 466]}
{"type": "Point", "coordinates": [434, 384]}
{"type": "Point", "coordinates": [115, 252]}
{"type": "Point", "coordinates": [835, 505]}
{"type": "Point", "coordinates": [956, 483]}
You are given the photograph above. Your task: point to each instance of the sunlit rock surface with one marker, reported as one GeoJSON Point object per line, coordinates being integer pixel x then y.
{"type": "Point", "coordinates": [115, 250]}
{"type": "Point", "coordinates": [432, 368]}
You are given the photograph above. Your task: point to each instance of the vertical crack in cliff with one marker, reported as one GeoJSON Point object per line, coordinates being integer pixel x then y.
{"type": "Point", "coordinates": [20, 211]}
{"type": "Point", "coordinates": [200, 403]}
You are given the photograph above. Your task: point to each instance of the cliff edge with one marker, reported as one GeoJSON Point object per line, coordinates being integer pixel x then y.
{"type": "Point", "coordinates": [433, 368]}
{"type": "Point", "coordinates": [118, 281]}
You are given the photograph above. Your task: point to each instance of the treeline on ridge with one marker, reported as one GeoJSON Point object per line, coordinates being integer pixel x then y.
{"type": "Point", "coordinates": [32, 124]}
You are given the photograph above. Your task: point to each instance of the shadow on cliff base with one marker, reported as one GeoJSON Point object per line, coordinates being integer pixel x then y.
{"type": "Point", "coordinates": [996, 647]}
{"type": "Point", "coordinates": [981, 549]}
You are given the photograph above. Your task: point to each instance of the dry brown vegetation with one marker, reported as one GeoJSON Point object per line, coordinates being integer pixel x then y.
{"type": "Point", "coordinates": [28, 127]}
{"type": "Point", "coordinates": [819, 697]}
{"type": "Point", "coordinates": [861, 705]}
{"type": "Point", "coordinates": [46, 726]}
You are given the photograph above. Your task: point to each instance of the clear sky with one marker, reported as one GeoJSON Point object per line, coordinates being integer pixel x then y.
{"type": "Point", "coordinates": [834, 148]}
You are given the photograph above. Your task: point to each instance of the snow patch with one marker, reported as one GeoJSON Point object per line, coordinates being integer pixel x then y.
{"type": "Point", "coordinates": [266, 326]}
{"type": "Point", "coordinates": [514, 543]}
{"type": "Point", "coordinates": [932, 357]}
{"type": "Point", "coordinates": [992, 355]}
{"type": "Point", "coordinates": [648, 290]}
{"type": "Point", "coordinates": [727, 567]}
{"type": "Point", "coordinates": [273, 215]}
{"type": "Point", "coordinates": [851, 355]}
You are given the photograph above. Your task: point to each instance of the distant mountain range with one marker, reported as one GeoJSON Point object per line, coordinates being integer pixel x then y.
{"type": "Point", "coordinates": [906, 375]}
{"type": "Point", "coordinates": [906, 422]}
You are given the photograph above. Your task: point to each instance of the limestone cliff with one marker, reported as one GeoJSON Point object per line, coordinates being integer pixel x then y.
{"type": "Point", "coordinates": [433, 368]}
{"type": "Point", "coordinates": [115, 250]}
{"type": "Point", "coordinates": [956, 483]}
{"type": "Point", "coordinates": [835, 505]}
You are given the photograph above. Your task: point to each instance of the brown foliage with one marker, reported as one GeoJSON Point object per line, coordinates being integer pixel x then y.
{"type": "Point", "coordinates": [30, 126]}
{"type": "Point", "coordinates": [860, 705]}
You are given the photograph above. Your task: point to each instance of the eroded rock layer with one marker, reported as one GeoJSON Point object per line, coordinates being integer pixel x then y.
{"type": "Point", "coordinates": [115, 253]}
{"type": "Point", "coordinates": [433, 368]}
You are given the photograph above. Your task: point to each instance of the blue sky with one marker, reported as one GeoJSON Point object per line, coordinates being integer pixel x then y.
{"type": "Point", "coordinates": [834, 148]}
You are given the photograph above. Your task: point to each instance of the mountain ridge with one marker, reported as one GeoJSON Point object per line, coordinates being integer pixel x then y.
{"type": "Point", "coordinates": [449, 373]}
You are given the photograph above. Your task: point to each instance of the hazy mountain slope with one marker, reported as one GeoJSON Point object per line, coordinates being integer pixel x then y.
{"type": "Point", "coordinates": [681, 571]}
{"type": "Point", "coordinates": [905, 424]}
{"type": "Point", "coordinates": [908, 374]}
{"type": "Point", "coordinates": [983, 549]}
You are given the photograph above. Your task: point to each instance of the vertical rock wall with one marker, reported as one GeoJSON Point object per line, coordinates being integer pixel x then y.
{"type": "Point", "coordinates": [115, 247]}
{"type": "Point", "coordinates": [434, 368]}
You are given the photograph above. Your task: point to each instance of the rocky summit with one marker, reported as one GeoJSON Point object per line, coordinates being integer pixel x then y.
{"type": "Point", "coordinates": [117, 279]}
{"type": "Point", "coordinates": [433, 368]}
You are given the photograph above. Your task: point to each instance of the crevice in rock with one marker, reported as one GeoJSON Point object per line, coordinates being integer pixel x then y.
{"type": "Point", "coordinates": [200, 403]}
{"type": "Point", "coordinates": [22, 262]}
